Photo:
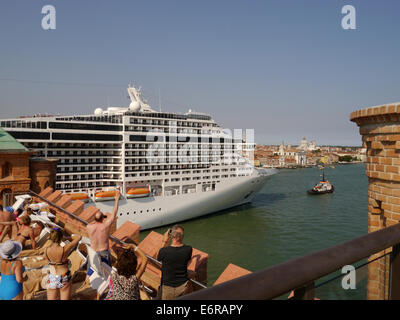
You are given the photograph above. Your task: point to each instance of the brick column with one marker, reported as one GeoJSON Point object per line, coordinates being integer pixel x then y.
{"type": "Point", "coordinates": [380, 130]}
{"type": "Point", "coordinates": [43, 173]}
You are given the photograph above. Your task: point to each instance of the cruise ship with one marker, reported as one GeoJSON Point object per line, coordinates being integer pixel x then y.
{"type": "Point", "coordinates": [168, 167]}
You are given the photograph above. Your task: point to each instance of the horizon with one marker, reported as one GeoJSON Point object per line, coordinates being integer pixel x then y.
{"type": "Point", "coordinates": [284, 69]}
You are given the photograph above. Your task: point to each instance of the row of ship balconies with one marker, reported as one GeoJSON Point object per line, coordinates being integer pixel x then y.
{"type": "Point", "coordinates": [178, 146]}
{"type": "Point", "coordinates": [141, 175]}
{"type": "Point", "coordinates": [167, 171]}
{"type": "Point", "coordinates": [83, 146]}
{"type": "Point", "coordinates": [171, 123]}
{"type": "Point", "coordinates": [170, 130]}
{"type": "Point", "coordinates": [181, 160]}
{"type": "Point", "coordinates": [161, 170]}
{"type": "Point", "coordinates": [79, 169]}
{"type": "Point", "coordinates": [87, 153]}
{"type": "Point", "coordinates": [90, 161]}
{"type": "Point", "coordinates": [182, 152]}
{"type": "Point", "coordinates": [87, 177]}
{"type": "Point", "coordinates": [83, 185]}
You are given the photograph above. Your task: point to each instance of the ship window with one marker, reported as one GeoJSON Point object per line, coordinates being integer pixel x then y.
{"type": "Point", "coordinates": [30, 135]}
{"type": "Point", "coordinates": [80, 136]}
{"type": "Point", "coordinates": [84, 126]}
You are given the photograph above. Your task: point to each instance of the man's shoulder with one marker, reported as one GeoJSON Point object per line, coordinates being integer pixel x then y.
{"type": "Point", "coordinates": [163, 249]}
{"type": "Point", "coordinates": [90, 225]}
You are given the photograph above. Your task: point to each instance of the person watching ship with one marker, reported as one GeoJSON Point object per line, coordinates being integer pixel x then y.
{"type": "Point", "coordinates": [99, 233]}
{"type": "Point", "coordinates": [174, 258]}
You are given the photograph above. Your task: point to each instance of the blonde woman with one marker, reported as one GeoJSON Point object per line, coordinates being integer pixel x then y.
{"type": "Point", "coordinates": [59, 278]}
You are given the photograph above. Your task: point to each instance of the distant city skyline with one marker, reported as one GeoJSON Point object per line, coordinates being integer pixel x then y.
{"type": "Point", "coordinates": [285, 69]}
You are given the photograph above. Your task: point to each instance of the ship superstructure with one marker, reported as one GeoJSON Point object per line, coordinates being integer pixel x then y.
{"type": "Point", "coordinates": [168, 167]}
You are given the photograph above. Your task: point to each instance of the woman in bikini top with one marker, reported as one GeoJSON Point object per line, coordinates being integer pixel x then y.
{"type": "Point", "coordinates": [57, 256]}
{"type": "Point", "coordinates": [25, 232]}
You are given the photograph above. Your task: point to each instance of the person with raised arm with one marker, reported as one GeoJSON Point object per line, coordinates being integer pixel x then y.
{"type": "Point", "coordinates": [99, 233]}
{"type": "Point", "coordinates": [59, 278]}
{"type": "Point", "coordinates": [174, 258]}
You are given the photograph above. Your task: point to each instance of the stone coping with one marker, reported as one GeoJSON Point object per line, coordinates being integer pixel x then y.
{"type": "Point", "coordinates": [382, 110]}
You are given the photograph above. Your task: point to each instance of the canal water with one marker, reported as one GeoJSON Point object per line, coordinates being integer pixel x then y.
{"type": "Point", "coordinates": [284, 222]}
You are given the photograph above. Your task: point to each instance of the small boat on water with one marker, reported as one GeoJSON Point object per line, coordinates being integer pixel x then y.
{"type": "Point", "coordinates": [322, 187]}
{"type": "Point", "coordinates": [138, 192]}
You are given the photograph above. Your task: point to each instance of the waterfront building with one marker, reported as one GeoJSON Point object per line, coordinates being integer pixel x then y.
{"type": "Point", "coordinates": [295, 156]}
{"type": "Point", "coordinates": [303, 144]}
{"type": "Point", "coordinates": [14, 164]}
{"type": "Point", "coordinates": [301, 158]}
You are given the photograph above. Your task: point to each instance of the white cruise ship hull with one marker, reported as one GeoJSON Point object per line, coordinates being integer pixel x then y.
{"type": "Point", "coordinates": [152, 212]}
{"type": "Point", "coordinates": [188, 163]}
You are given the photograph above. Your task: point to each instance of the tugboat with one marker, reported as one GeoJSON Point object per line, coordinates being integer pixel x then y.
{"type": "Point", "coordinates": [322, 187]}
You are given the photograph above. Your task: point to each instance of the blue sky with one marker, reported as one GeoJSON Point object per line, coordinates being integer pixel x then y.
{"type": "Point", "coordinates": [284, 68]}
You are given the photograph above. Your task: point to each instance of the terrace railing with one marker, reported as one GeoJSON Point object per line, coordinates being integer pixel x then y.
{"type": "Point", "coordinates": [299, 275]}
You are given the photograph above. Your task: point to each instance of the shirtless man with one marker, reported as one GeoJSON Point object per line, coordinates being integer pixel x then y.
{"type": "Point", "coordinates": [99, 232]}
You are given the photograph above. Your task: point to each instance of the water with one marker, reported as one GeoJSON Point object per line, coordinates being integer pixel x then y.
{"type": "Point", "coordinates": [283, 222]}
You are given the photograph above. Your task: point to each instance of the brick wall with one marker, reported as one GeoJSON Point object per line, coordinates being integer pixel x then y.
{"type": "Point", "coordinates": [380, 130]}
{"type": "Point", "coordinates": [43, 173]}
{"type": "Point", "coordinates": [17, 180]}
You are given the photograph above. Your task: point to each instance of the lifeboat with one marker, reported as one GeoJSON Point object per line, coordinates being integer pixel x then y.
{"type": "Point", "coordinates": [79, 196]}
{"type": "Point", "coordinates": [138, 192]}
{"type": "Point", "coordinates": [104, 195]}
